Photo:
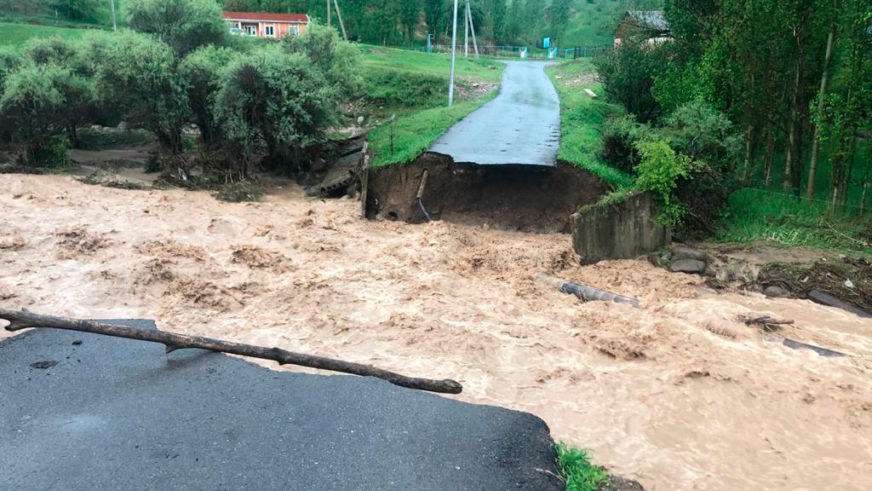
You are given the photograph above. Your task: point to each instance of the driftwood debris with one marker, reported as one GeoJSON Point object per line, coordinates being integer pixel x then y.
{"type": "Point", "coordinates": [587, 293]}
{"type": "Point", "coordinates": [22, 320]}
{"type": "Point", "coordinates": [768, 324]}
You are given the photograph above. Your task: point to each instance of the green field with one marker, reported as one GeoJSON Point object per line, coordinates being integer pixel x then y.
{"type": "Point", "coordinates": [581, 119]}
{"type": "Point", "coordinates": [16, 34]}
{"type": "Point", "coordinates": [436, 64]}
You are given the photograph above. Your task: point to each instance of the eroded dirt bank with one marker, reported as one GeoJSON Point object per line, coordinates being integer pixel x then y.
{"type": "Point", "coordinates": [525, 197]}
{"type": "Point", "coordinates": [678, 394]}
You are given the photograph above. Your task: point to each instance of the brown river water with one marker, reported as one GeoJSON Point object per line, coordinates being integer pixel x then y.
{"type": "Point", "coordinates": [678, 394]}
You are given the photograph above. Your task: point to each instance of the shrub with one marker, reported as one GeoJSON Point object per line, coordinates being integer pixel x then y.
{"type": "Point", "coordinates": [628, 74]}
{"type": "Point", "coordinates": [276, 103]}
{"type": "Point", "coordinates": [138, 74]}
{"type": "Point", "coordinates": [619, 136]}
{"type": "Point", "coordinates": [659, 172]}
{"type": "Point", "coordinates": [702, 132]}
{"type": "Point", "coordinates": [336, 59]}
{"type": "Point", "coordinates": [33, 100]}
{"type": "Point", "coordinates": [185, 25]}
{"type": "Point", "coordinates": [203, 71]}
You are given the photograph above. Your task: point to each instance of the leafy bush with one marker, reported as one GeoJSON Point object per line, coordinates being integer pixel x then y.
{"type": "Point", "coordinates": [577, 471]}
{"type": "Point", "coordinates": [702, 132]}
{"type": "Point", "coordinates": [337, 59]}
{"type": "Point", "coordinates": [276, 103]}
{"type": "Point", "coordinates": [628, 74]}
{"type": "Point", "coordinates": [183, 24]}
{"type": "Point", "coordinates": [619, 135]}
{"type": "Point", "coordinates": [659, 171]}
{"type": "Point", "coordinates": [33, 101]}
{"type": "Point", "coordinates": [138, 74]}
{"type": "Point", "coordinates": [203, 72]}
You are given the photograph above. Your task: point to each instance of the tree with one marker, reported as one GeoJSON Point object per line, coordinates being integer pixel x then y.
{"type": "Point", "coordinates": [275, 103]}
{"type": "Point", "coordinates": [183, 24]}
{"type": "Point", "coordinates": [628, 74]}
{"type": "Point", "coordinates": [75, 9]}
{"type": "Point", "coordinates": [138, 74]}
{"type": "Point", "coordinates": [336, 59]}
{"type": "Point", "coordinates": [33, 100]}
{"type": "Point", "coordinates": [203, 72]}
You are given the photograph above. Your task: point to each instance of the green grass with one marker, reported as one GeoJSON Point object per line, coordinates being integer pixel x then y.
{"type": "Point", "coordinates": [414, 85]}
{"type": "Point", "coordinates": [581, 119]}
{"type": "Point", "coordinates": [436, 64]}
{"type": "Point", "coordinates": [577, 471]}
{"type": "Point", "coordinates": [413, 134]}
{"type": "Point", "coordinates": [12, 34]}
{"type": "Point", "coordinates": [754, 215]}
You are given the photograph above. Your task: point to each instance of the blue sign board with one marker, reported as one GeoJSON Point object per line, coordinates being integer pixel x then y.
{"type": "Point", "coordinates": [546, 43]}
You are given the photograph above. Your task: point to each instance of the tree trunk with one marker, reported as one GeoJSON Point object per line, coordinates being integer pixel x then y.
{"type": "Point", "coordinates": [769, 158]}
{"type": "Point", "coordinates": [825, 76]}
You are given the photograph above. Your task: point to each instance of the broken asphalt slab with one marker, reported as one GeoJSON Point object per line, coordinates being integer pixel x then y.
{"type": "Point", "coordinates": [119, 414]}
{"type": "Point", "coordinates": [521, 126]}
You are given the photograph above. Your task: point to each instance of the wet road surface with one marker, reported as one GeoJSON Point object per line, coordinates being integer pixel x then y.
{"type": "Point", "coordinates": [521, 126]}
{"type": "Point", "coordinates": [109, 413]}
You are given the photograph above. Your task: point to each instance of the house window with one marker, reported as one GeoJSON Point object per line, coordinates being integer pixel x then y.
{"type": "Point", "coordinates": [270, 31]}
{"type": "Point", "coordinates": [251, 30]}
{"type": "Point", "coordinates": [295, 30]}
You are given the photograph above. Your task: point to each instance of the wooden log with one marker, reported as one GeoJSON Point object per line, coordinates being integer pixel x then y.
{"type": "Point", "coordinates": [22, 320]}
{"type": "Point", "coordinates": [588, 293]}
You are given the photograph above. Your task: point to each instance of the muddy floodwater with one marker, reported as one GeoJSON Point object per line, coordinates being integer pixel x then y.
{"type": "Point", "coordinates": [678, 394]}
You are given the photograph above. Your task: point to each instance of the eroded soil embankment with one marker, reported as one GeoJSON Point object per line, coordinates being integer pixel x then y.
{"type": "Point", "coordinates": [526, 198]}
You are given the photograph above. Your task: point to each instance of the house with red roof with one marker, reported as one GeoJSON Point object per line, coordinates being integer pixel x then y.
{"type": "Point", "coordinates": [266, 24]}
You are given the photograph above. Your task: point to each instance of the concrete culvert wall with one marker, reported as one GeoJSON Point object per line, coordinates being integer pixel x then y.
{"type": "Point", "coordinates": [624, 229]}
{"type": "Point", "coordinates": [525, 198]}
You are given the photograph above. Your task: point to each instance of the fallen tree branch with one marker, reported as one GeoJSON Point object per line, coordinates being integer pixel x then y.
{"type": "Point", "coordinates": [769, 324]}
{"type": "Point", "coordinates": [587, 293]}
{"type": "Point", "coordinates": [22, 320]}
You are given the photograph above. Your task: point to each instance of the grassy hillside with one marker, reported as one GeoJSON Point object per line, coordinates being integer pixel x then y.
{"type": "Point", "coordinates": [16, 34]}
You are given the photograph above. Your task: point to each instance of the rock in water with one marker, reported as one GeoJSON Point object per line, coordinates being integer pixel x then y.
{"type": "Point", "coordinates": [684, 252]}
{"type": "Point", "coordinates": [692, 266]}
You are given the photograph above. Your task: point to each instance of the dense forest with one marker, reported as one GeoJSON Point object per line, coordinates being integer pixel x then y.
{"type": "Point", "coordinates": [401, 22]}
{"type": "Point", "coordinates": [768, 94]}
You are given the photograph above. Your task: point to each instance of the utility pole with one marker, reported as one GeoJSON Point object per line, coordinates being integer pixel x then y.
{"type": "Point", "coordinates": [114, 24]}
{"type": "Point", "coordinates": [453, 57]}
{"type": "Point", "coordinates": [466, 31]}
{"type": "Point", "coordinates": [339, 15]}
{"type": "Point", "coordinates": [328, 13]}
{"type": "Point", "coordinates": [471, 28]}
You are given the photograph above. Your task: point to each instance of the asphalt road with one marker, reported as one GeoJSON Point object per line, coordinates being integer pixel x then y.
{"type": "Point", "coordinates": [520, 126]}
{"type": "Point", "coordinates": [120, 414]}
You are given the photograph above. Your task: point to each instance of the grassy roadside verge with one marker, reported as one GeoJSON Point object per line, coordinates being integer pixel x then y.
{"type": "Point", "coordinates": [413, 86]}
{"type": "Point", "coordinates": [413, 134]}
{"type": "Point", "coordinates": [577, 471]}
{"type": "Point", "coordinates": [581, 119]}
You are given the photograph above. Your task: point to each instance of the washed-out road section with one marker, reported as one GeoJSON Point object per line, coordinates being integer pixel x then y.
{"type": "Point", "coordinates": [521, 126]}
{"type": "Point", "coordinates": [118, 414]}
